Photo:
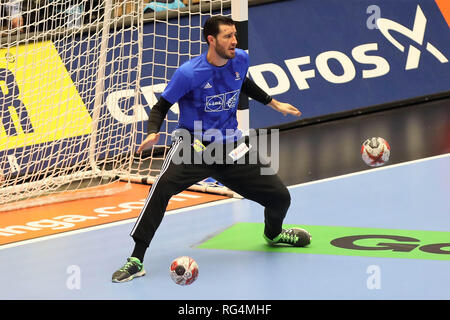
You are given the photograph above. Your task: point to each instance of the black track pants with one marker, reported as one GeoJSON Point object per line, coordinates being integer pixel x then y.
{"type": "Point", "coordinates": [245, 179]}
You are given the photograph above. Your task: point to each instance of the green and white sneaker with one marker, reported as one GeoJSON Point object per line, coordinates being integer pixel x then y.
{"type": "Point", "coordinates": [132, 269]}
{"type": "Point", "coordinates": [296, 237]}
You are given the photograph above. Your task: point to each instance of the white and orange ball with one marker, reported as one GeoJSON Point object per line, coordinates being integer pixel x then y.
{"type": "Point", "coordinates": [184, 270]}
{"type": "Point", "coordinates": [375, 151]}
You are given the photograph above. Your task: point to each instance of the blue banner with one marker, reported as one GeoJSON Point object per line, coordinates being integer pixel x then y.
{"type": "Point", "coordinates": [332, 56]}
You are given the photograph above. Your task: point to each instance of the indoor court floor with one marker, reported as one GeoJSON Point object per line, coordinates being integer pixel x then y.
{"type": "Point", "coordinates": [377, 233]}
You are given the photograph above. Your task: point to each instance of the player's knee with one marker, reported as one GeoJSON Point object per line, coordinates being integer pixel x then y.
{"type": "Point", "coordinates": [281, 200]}
{"type": "Point", "coordinates": [285, 198]}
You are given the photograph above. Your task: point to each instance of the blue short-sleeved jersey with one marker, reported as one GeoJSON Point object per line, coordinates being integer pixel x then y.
{"type": "Point", "coordinates": [208, 93]}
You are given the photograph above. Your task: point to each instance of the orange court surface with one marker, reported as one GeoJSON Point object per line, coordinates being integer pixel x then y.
{"type": "Point", "coordinates": [30, 223]}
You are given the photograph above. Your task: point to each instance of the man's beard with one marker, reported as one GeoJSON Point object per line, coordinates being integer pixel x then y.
{"type": "Point", "coordinates": [224, 53]}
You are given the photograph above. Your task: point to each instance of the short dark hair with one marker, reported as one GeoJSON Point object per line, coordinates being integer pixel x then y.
{"type": "Point", "coordinates": [212, 26]}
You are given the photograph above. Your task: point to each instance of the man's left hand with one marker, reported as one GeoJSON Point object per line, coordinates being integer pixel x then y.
{"type": "Point", "coordinates": [285, 108]}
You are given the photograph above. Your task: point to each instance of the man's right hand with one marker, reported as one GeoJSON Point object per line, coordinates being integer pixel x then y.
{"type": "Point", "coordinates": [151, 140]}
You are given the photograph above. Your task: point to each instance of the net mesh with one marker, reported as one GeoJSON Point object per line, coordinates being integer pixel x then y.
{"type": "Point", "coordinates": [77, 80]}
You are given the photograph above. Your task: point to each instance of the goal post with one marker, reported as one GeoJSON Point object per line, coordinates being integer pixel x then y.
{"type": "Point", "coordinates": [239, 13]}
{"type": "Point", "coordinates": [77, 83]}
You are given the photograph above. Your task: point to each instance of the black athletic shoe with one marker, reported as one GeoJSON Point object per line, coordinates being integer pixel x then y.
{"type": "Point", "coordinates": [295, 237]}
{"type": "Point", "coordinates": [132, 269]}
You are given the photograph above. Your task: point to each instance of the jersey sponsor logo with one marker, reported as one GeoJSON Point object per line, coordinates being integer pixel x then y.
{"type": "Point", "coordinates": [31, 108]}
{"type": "Point", "coordinates": [231, 98]}
{"type": "Point", "coordinates": [222, 102]}
{"type": "Point", "coordinates": [215, 103]}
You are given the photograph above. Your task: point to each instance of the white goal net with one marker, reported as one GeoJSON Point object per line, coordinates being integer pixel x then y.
{"type": "Point", "coordinates": [77, 80]}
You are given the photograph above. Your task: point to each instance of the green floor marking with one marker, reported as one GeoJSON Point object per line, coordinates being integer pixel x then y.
{"type": "Point", "coordinates": [336, 240]}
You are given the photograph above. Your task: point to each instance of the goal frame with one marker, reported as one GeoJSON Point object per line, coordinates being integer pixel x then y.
{"type": "Point", "coordinates": [239, 13]}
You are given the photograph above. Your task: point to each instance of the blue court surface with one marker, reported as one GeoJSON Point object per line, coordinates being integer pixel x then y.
{"type": "Point", "coordinates": [412, 196]}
